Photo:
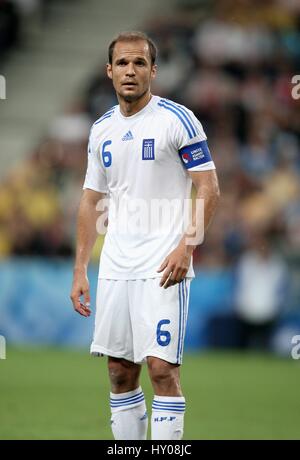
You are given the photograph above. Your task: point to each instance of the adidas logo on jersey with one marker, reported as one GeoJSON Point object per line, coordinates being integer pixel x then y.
{"type": "Point", "coordinates": [128, 136]}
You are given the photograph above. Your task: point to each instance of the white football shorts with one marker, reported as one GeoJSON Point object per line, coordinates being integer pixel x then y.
{"type": "Point", "coordinates": [138, 318]}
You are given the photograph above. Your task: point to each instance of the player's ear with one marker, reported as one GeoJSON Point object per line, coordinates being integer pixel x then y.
{"type": "Point", "coordinates": [153, 71]}
{"type": "Point", "coordinates": [109, 70]}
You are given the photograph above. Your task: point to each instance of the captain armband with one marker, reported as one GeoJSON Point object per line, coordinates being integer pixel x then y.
{"type": "Point", "coordinates": [195, 154]}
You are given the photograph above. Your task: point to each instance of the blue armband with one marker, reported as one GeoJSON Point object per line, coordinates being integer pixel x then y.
{"type": "Point", "coordinates": [195, 154]}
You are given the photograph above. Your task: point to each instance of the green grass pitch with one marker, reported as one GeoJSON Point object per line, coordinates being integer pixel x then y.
{"type": "Point", "coordinates": [63, 394]}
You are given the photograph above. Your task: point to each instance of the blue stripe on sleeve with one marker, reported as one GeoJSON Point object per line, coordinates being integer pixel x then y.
{"type": "Point", "coordinates": [184, 113]}
{"type": "Point", "coordinates": [102, 118]}
{"type": "Point", "coordinates": [107, 114]}
{"type": "Point", "coordinates": [177, 113]}
{"type": "Point", "coordinates": [184, 109]}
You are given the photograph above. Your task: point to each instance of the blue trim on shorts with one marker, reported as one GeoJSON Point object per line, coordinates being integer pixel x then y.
{"type": "Point", "coordinates": [180, 320]}
{"type": "Point", "coordinates": [184, 315]}
{"type": "Point", "coordinates": [183, 318]}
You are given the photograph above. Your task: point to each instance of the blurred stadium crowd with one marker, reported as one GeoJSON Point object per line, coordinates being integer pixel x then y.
{"type": "Point", "coordinates": [10, 27]}
{"type": "Point", "coordinates": [14, 14]}
{"type": "Point", "coordinates": [231, 63]}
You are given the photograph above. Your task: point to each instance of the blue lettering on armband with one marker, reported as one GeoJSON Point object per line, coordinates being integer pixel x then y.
{"type": "Point", "coordinates": [195, 154]}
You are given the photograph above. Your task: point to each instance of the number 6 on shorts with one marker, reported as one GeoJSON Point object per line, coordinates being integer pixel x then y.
{"type": "Point", "coordinates": [163, 337]}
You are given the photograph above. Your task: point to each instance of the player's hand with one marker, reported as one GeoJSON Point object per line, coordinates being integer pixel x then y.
{"type": "Point", "coordinates": [175, 266]}
{"type": "Point", "coordinates": [80, 288]}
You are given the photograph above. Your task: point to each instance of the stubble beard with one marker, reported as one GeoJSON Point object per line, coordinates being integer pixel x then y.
{"type": "Point", "coordinates": [133, 97]}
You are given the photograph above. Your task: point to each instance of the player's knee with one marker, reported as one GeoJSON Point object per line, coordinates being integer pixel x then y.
{"type": "Point", "coordinates": [117, 373]}
{"type": "Point", "coordinates": [121, 375]}
{"type": "Point", "coordinates": [162, 373]}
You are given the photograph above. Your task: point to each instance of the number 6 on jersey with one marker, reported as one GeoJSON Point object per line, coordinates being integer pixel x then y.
{"type": "Point", "coordinates": [106, 155]}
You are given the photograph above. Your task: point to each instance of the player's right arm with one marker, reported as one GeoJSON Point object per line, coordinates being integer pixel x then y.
{"type": "Point", "coordinates": [94, 189]}
{"type": "Point", "coordinates": [86, 237]}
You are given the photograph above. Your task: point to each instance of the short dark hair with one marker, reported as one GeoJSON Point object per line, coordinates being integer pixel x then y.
{"type": "Point", "coordinates": [133, 37]}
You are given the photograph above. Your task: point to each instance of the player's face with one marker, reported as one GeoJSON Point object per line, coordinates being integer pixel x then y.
{"type": "Point", "coordinates": [131, 70]}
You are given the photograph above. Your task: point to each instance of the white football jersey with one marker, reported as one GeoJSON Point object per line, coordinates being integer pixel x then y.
{"type": "Point", "coordinates": [141, 163]}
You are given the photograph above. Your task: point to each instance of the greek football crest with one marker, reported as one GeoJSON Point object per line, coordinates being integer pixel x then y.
{"type": "Point", "coordinates": [148, 149]}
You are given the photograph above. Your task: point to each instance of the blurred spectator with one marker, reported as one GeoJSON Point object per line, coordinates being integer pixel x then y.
{"type": "Point", "coordinates": [9, 27]}
{"type": "Point", "coordinates": [260, 293]}
{"type": "Point", "coordinates": [99, 95]}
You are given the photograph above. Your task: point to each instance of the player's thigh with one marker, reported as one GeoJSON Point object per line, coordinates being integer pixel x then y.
{"type": "Point", "coordinates": [112, 334]}
{"type": "Point", "coordinates": [159, 319]}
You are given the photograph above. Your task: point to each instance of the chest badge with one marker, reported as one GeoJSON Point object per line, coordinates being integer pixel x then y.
{"type": "Point", "coordinates": [148, 149]}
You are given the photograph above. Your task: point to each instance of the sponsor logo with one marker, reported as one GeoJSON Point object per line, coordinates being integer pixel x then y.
{"type": "Point", "coordinates": [144, 416]}
{"type": "Point", "coordinates": [128, 136]}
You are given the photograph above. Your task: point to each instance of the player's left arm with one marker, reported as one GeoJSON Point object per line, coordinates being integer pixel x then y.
{"type": "Point", "coordinates": [207, 197]}
{"type": "Point", "coordinates": [176, 264]}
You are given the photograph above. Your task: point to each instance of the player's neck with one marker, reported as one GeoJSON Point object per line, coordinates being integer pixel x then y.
{"type": "Point", "coordinates": [131, 108]}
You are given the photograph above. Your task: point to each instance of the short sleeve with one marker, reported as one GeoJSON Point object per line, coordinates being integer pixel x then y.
{"type": "Point", "coordinates": [95, 178]}
{"type": "Point", "coordinates": [191, 141]}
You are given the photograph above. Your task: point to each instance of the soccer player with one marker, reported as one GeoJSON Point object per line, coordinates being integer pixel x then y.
{"type": "Point", "coordinates": [144, 154]}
